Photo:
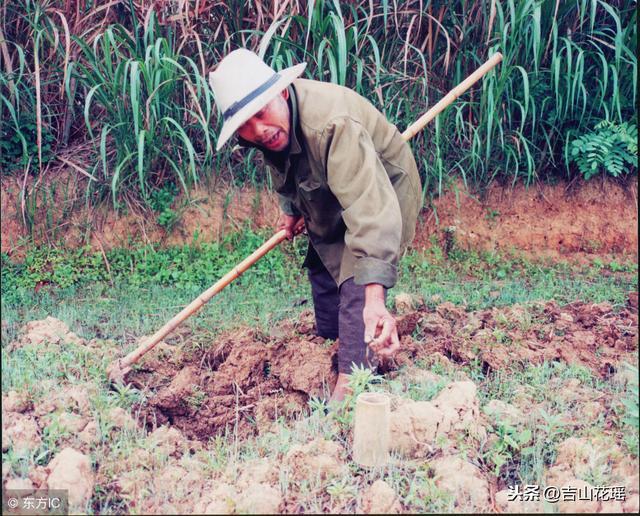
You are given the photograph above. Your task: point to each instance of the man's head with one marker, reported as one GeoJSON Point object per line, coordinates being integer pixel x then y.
{"type": "Point", "coordinates": [253, 99]}
{"type": "Point", "coordinates": [271, 126]}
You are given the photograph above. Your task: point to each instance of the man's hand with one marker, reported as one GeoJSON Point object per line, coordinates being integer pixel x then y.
{"type": "Point", "coordinates": [380, 330]}
{"type": "Point", "coordinates": [288, 223]}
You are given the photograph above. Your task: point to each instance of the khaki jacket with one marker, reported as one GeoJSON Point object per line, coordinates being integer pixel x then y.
{"type": "Point", "coordinates": [352, 177]}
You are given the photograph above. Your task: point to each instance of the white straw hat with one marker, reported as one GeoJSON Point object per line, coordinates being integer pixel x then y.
{"type": "Point", "coordinates": [243, 84]}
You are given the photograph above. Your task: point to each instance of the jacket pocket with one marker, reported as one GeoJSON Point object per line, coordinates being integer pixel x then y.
{"type": "Point", "coordinates": [323, 209]}
{"type": "Point", "coordinates": [313, 193]}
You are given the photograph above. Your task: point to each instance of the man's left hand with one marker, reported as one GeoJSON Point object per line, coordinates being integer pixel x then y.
{"type": "Point", "coordinates": [380, 331]}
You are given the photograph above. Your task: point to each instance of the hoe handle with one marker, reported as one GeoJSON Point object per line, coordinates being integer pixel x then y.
{"type": "Point", "coordinates": [448, 99]}
{"type": "Point", "coordinates": [203, 298]}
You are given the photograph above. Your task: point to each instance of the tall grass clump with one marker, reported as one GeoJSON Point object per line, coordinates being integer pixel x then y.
{"type": "Point", "coordinates": [147, 109]}
{"type": "Point", "coordinates": [568, 66]}
{"type": "Point", "coordinates": [29, 108]}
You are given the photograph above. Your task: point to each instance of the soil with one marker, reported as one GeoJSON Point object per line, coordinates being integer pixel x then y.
{"type": "Point", "coordinates": [567, 220]}
{"type": "Point", "coordinates": [578, 219]}
{"type": "Point", "coordinates": [591, 335]}
{"type": "Point", "coordinates": [243, 376]}
{"type": "Point", "coordinates": [246, 379]}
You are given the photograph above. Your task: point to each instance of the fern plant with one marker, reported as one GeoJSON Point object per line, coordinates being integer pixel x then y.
{"type": "Point", "coordinates": [612, 147]}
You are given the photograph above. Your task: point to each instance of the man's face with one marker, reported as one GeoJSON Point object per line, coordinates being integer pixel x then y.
{"type": "Point", "coordinates": [270, 126]}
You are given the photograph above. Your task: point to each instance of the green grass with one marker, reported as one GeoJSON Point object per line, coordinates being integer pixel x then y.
{"type": "Point", "coordinates": [148, 286]}
{"type": "Point", "coordinates": [484, 279]}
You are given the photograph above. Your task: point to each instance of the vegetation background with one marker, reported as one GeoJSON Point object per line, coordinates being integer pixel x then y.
{"type": "Point", "coordinates": [118, 92]}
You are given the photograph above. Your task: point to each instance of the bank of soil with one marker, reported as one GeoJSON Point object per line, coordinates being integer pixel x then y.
{"type": "Point", "coordinates": [577, 220]}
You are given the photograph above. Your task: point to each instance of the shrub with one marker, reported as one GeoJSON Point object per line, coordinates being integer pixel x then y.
{"type": "Point", "coordinates": [610, 148]}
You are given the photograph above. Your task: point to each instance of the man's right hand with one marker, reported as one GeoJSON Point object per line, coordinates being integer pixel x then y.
{"type": "Point", "coordinates": [288, 223]}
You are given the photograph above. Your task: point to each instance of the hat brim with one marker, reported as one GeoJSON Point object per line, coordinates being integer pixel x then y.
{"type": "Point", "coordinates": [287, 76]}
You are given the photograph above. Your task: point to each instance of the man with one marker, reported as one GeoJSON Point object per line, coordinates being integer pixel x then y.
{"type": "Point", "coordinates": [338, 164]}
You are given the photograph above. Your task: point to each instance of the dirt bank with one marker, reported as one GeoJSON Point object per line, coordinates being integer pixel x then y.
{"type": "Point", "coordinates": [579, 220]}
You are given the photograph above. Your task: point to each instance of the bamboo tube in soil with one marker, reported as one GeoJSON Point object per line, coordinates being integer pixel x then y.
{"type": "Point", "coordinates": [371, 431]}
{"type": "Point", "coordinates": [118, 369]}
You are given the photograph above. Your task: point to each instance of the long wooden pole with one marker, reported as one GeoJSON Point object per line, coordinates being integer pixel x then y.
{"type": "Point", "coordinates": [119, 368]}
{"type": "Point", "coordinates": [448, 99]}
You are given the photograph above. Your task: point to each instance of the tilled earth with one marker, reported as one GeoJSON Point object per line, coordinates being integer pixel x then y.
{"type": "Point", "coordinates": [246, 379]}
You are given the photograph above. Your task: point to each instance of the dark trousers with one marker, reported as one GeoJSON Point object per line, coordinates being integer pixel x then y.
{"type": "Point", "coordinates": [339, 315]}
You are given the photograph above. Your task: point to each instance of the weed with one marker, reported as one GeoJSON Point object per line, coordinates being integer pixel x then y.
{"type": "Point", "coordinates": [492, 214]}
{"type": "Point", "coordinates": [361, 380]}
{"type": "Point", "coordinates": [509, 442]}
{"type": "Point", "coordinates": [610, 148]}
{"type": "Point", "coordinates": [161, 201]}
{"type": "Point", "coordinates": [196, 398]}
{"type": "Point", "coordinates": [341, 489]}
{"type": "Point", "coordinates": [19, 140]}
{"type": "Point", "coordinates": [125, 395]}
{"type": "Point", "coordinates": [628, 411]}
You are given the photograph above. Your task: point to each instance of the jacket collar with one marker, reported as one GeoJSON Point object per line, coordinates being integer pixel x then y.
{"type": "Point", "coordinates": [294, 133]}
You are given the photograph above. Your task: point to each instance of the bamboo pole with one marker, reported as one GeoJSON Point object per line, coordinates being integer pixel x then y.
{"type": "Point", "coordinates": [448, 99]}
{"type": "Point", "coordinates": [119, 368]}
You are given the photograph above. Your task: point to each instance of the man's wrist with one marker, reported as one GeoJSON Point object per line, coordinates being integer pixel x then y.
{"type": "Point", "coordinates": [373, 292]}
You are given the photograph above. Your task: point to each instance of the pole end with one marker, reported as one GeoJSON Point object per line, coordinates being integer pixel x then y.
{"type": "Point", "coordinates": [116, 373]}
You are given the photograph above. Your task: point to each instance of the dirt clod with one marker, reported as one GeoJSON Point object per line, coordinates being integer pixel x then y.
{"type": "Point", "coordinates": [220, 499]}
{"type": "Point", "coordinates": [242, 383]}
{"type": "Point", "coordinates": [318, 459]}
{"type": "Point", "coordinates": [516, 506]}
{"type": "Point", "coordinates": [45, 331]}
{"type": "Point", "coordinates": [380, 498]}
{"type": "Point", "coordinates": [501, 411]}
{"type": "Point", "coordinates": [71, 470]}
{"type": "Point", "coordinates": [89, 435]}
{"type": "Point", "coordinates": [19, 483]}
{"type": "Point", "coordinates": [120, 418]}
{"type": "Point", "coordinates": [72, 423]}
{"type": "Point", "coordinates": [259, 499]}
{"type": "Point", "coordinates": [16, 402]}
{"type": "Point", "coordinates": [414, 428]}
{"type": "Point", "coordinates": [588, 504]}
{"type": "Point", "coordinates": [464, 481]}
{"type": "Point", "coordinates": [168, 441]}
{"type": "Point", "coordinates": [20, 432]}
